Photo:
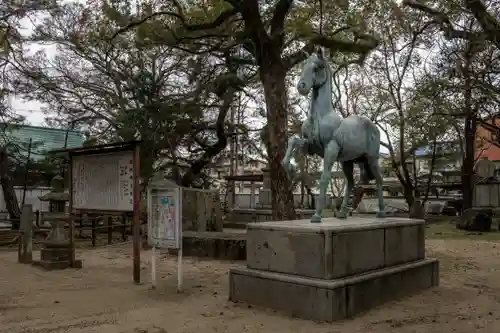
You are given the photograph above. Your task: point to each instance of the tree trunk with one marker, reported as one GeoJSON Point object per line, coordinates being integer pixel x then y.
{"type": "Point", "coordinates": [468, 164]}
{"type": "Point", "coordinates": [302, 193]}
{"type": "Point", "coordinates": [470, 125]}
{"type": "Point", "coordinates": [9, 194]}
{"type": "Point", "coordinates": [273, 79]}
{"type": "Point", "coordinates": [409, 193]}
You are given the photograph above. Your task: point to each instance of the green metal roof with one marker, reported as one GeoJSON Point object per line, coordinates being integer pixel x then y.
{"type": "Point", "coordinates": [44, 139]}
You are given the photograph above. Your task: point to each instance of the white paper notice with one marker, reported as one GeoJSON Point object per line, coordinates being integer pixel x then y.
{"type": "Point", "coordinates": [103, 181]}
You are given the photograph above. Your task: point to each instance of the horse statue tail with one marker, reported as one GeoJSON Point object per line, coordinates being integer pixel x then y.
{"type": "Point", "coordinates": [372, 135]}
{"type": "Point", "coordinates": [373, 148]}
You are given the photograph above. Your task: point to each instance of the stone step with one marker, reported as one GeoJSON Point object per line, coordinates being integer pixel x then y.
{"type": "Point", "coordinates": [334, 248]}
{"type": "Point", "coordinates": [329, 300]}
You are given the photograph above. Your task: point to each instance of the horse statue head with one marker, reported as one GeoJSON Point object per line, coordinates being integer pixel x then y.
{"type": "Point", "coordinates": [315, 73]}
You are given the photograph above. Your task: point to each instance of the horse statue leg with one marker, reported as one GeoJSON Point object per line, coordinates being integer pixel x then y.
{"type": "Point", "coordinates": [294, 142]}
{"type": "Point", "coordinates": [348, 169]}
{"type": "Point", "coordinates": [330, 156]}
{"type": "Point", "coordinates": [375, 168]}
{"type": "Point", "coordinates": [359, 194]}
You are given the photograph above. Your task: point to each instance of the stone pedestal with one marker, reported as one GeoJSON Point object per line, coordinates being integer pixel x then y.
{"type": "Point", "coordinates": [57, 252]}
{"type": "Point", "coordinates": [335, 269]}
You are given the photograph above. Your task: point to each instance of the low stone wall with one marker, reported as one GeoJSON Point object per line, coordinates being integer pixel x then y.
{"type": "Point", "coordinates": [215, 245]}
{"type": "Point", "coordinates": [370, 206]}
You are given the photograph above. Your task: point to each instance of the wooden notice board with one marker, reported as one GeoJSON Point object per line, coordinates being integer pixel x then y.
{"type": "Point", "coordinates": [103, 181]}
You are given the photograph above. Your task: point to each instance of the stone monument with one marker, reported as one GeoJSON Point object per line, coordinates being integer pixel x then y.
{"type": "Point", "coordinates": [334, 269]}
{"type": "Point", "coordinates": [485, 198]}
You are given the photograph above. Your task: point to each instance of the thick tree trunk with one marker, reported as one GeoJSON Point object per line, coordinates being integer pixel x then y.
{"type": "Point", "coordinates": [468, 164]}
{"type": "Point", "coordinates": [273, 79]}
{"type": "Point", "coordinates": [470, 125]}
{"type": "Point", "coordinates": [409, 193]}
{"type": "Point", "coordinates": [9, 194]}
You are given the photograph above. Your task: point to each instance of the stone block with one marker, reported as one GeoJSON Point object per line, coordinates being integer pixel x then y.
{"type": "Point", "coordinates": [404, 244]}
{"type": "Point", "coordinates": [301, 253]}
{"type": "Point", "coordinates": [55, 254]}
{"type": "Point", "coordinates": [57, 265]}
{"type": "Point", "coordinates": [53, 265]}
{"type": "Point", "coordinates": [334, 248]}
{"type": "Point", "coordinates": [77, 264]}
{"type": "Point", "coordinates": [356, 252]}
{"type": "Point", "coordinates": [329, 300]}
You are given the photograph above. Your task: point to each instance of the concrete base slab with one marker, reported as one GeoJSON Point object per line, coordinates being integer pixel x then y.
{"type": "Point", "coordinates": [329, 300]}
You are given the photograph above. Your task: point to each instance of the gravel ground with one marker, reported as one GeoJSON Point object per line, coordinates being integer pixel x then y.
{"type": "Point", "coordinates": [102, 298]}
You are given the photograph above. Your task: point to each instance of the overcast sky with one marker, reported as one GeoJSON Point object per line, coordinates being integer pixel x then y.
{"type": "Point", "coordinates": [32, 110]}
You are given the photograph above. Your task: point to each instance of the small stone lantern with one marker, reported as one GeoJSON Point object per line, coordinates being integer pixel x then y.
{"type": "Point", "coordinates": [56, 253]}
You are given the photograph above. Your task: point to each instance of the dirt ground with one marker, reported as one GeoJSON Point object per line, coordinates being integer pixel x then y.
{"type": "Point", "coordinates": [102, 298]}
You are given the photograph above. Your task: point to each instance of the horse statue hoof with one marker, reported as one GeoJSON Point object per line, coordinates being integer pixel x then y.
{"type": "Point", "coordinates": [316, 219]}
{"type": "Point", "coordinates": [381, 215]}
{"type": "Point", "coordinates": [340, 214]}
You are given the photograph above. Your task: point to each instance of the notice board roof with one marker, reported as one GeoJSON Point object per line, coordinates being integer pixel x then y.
{"type": "Point", "coordinates": [98, 149]}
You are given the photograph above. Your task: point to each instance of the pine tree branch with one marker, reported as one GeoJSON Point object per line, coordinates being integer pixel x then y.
{"type": "Point", "coordinates": [489, 25]}
{"type": "Point", "coordinates": [363, 46]}
{"type": "Point", "coordinates": [221, 19]}
{"type": "Point", "coordinates": [278, 20]}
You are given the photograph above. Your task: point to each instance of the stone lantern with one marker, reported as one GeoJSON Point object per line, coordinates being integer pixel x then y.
{"type": "Point", "coordinates": [56, 198]}
{"type": "Point", "coordinates": [55, 253]}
